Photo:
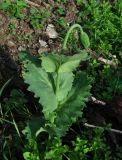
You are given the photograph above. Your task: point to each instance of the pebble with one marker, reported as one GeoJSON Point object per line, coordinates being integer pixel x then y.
{"type": "Point", "coordinates": [11, 44]}
{"type": "Point", "coordinates": [43, 43]}
{"type": "Point", "coordinates": [51, 32]}
{"type": "Point", "coordinates": [21, 48]}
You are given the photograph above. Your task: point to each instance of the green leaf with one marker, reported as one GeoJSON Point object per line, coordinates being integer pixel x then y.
{"type": "Point", "coordinates": [65, 81]}
{"type": "Point", "coordinates": [30, 156]}
{"type": "Point", "coordinates": [4, 86]}
{"type": "Point", "coordinates": [74, 105]}
{"type": "Point", "coordinates": [61, 96]}
{"type": "Point", "coordinates": [4, 5]}
{"type": "Point", "coordinates": [85, 40]}
{"type": "Point", "coordinates": [31, 151]}
{"type": "Point", "coordinates": [57, 58]}
{"type": "Point", "coordinates": [33, 125]}
{"type": "Point", "coordinates": [51, 62]}
{"type": "Point", "coordinates": [72, 62]}
{"type": "Point", "coordinates": [48, 64]}
{"type": "Point", "coordinates": [25, 57]}
{"type": "Point", "coordinates": [41, 85]}
{"type": "Point", "coordinates": [21, 4]}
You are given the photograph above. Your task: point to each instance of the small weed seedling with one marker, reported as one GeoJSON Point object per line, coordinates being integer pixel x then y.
{"type": "Point", "coordinates": [61, 92]}
{"type": "Point", "coordinates": [38, 18]}
{"type": "Point", "coordinates": [14, 9]}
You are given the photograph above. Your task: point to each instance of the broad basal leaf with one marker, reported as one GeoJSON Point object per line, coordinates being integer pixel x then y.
{"type": "Point", "coordinates": [72, 62]}
{"type": "Point", "coordinates": [33, 125]}
{"type": "Point", "coordinates": [64, 81]}
{"type": "Point", "coordinates": [72, 109]}
{"type": "Point", "coordinates": [48, 64]}
{"type": "Point", "coordinates": [61, 98]}
{"type": "Point", "coordinates": [4, 5]}
{"type": "Point", "coordinates": [59, 58]}
{"type": "Point", "coordinates": [62, 63]}
{"type": "Point", "coordinates": [25, 57]}
{"type": "Point", "coordinates": [51, 62]}
{"type": "Point", "coordinates": [41, 86]}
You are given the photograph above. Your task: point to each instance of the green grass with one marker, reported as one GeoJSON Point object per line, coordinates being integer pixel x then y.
{"type": "Point", "coordinates": [14, 9]}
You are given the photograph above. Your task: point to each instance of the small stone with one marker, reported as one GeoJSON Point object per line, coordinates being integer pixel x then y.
{"type": "Point", "coordinates": [21, 48]}
{"type": "Point", "coordinates": [114, 56]}
{"type": "Point", "coordinates": [51, 32]}
{"type": "Point", "coordinates": [11, 44]}
{"type": "Point", "coordinates": [43, 43]}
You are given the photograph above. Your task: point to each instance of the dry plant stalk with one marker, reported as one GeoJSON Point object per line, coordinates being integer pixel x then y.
{"type": "Point", "coordinates": [96, 101]}
{"type": "Point", "coordinates": [101, 59]}
{"type": "Point", "coordinates": [32, 3]}
{"type": "Point", "coordinates": [112, 130]}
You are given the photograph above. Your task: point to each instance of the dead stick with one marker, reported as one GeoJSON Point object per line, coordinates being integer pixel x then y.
{"type": "Point", "coordinates": [93, 126]}
{"type": "Point", "coordinates": [32, 3]}
{"type": "Point", "coordinates": [101, 59]}
{"type": "Point", "coordinates": [96, 101]}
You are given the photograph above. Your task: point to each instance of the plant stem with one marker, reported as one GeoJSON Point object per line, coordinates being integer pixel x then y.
{"type": "Point", "coordinates": [2, 119]}
{"type": "Point", "coordinates": [111, 129]}
{"type": "Point", "coordinates": [69, 32]}
{"type": "Point", "coordinates": [57, 83]}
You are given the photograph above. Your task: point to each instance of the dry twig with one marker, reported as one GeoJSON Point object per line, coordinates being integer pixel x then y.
{"type": "Point", "coordinates": [32, 3]}
{"type": "Point", "coordinates": [96, 101]}
{"type": "Point", "coordinates": [101, 59]}
{"type": "Point", "coordinates": [93, 126]}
